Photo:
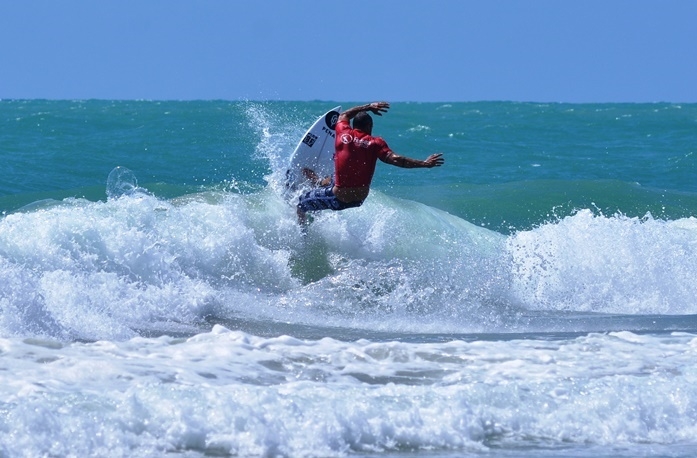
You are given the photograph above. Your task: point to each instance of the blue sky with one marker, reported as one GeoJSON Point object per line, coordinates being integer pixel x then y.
{"type": "Point", "coordinates": [361, 50]}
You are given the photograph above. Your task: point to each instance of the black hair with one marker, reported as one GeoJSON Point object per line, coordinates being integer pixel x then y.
{"type": "Point", "coordinates": [363, 121]}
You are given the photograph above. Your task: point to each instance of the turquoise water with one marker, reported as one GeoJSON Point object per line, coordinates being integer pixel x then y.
{"type": "Point", "coordinates": [510, 165]}
{"type": "Point", "coordinates": [535, 296]}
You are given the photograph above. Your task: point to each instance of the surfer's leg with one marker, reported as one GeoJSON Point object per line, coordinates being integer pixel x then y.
{"type": "Point", "coordinates": [302, 217]}
{"type": "Point", "coordinates": [314, 200]}
{"type": "Point", "coordinates": [321, 199]}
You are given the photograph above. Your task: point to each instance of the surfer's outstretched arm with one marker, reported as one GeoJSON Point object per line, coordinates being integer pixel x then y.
{"type": "Point", "coordinates": [434, 160]}
{"type": "Point", "coordinates": [377, 108]}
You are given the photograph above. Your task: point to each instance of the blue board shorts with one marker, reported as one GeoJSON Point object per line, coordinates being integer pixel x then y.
{"type": "Point", "coordinates": [324, 199]}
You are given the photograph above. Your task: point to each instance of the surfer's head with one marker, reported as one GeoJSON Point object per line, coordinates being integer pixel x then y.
{"type": "Point", "coordinates": [363, 122]}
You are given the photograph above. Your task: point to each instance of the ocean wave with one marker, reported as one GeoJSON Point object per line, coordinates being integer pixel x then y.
{"type": "Point", "coordinates": [77, 269]}
{"type": "Point", "coordinates": [617, 264]}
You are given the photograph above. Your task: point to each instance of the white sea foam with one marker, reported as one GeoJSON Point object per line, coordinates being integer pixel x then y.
{"type": "Point", "coordinates": [605, 264]}
{"type": "Point", "coordinates": [94, 270]}
{"type": "Point", "coordinates": [229, 392]}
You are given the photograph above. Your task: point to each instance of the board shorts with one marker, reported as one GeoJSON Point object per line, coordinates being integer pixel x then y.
{"type": "Point", "coordinates": [324, 199]}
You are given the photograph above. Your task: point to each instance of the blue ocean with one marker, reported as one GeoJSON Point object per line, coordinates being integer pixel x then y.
{"type": "Point", "coordinates": [533, 297]}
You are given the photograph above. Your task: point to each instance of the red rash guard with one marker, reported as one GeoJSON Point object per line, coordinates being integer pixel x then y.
{"type": "Point", "coordinates": [355, 156]}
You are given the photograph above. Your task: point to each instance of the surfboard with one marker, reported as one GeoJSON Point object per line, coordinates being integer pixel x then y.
{"type": "Point", "coordinates": [314, 153]}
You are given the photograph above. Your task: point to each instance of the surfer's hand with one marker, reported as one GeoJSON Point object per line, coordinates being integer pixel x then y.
{"type": "Point", "coordinates": [311, 176]}
{"type": "Point", "coordinates": [434, 160]}
{"type": "Point", "coordinates": [379, 108]}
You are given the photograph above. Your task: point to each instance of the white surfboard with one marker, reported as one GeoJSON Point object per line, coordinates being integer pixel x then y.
{"type": "Point", "coordinates": [315, 152]}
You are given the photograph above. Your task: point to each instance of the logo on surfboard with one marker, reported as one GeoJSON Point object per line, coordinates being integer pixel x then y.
{"type": "Point", "coordinates": [331, 119]}
{"type": "Point", "coordinates": [310, 139]}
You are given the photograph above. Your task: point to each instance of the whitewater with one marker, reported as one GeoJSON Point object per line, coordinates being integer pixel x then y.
{"type": "Point", "coordinates": [453, 314]}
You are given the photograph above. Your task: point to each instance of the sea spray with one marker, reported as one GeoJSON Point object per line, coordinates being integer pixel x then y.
{"type": "Point", "coordinates": [614, 264]}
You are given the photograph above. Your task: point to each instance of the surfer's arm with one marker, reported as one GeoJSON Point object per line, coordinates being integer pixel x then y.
{"type": "Point", "coordinates": [377, 108]}
{"type": "Point", "coordinates": [314, 178]}
{"type": "Point", "coordinates": [434, 160]}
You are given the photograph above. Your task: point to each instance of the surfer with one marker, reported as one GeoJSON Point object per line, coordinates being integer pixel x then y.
{"type": "Point", "coordinates": [355, 156]}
